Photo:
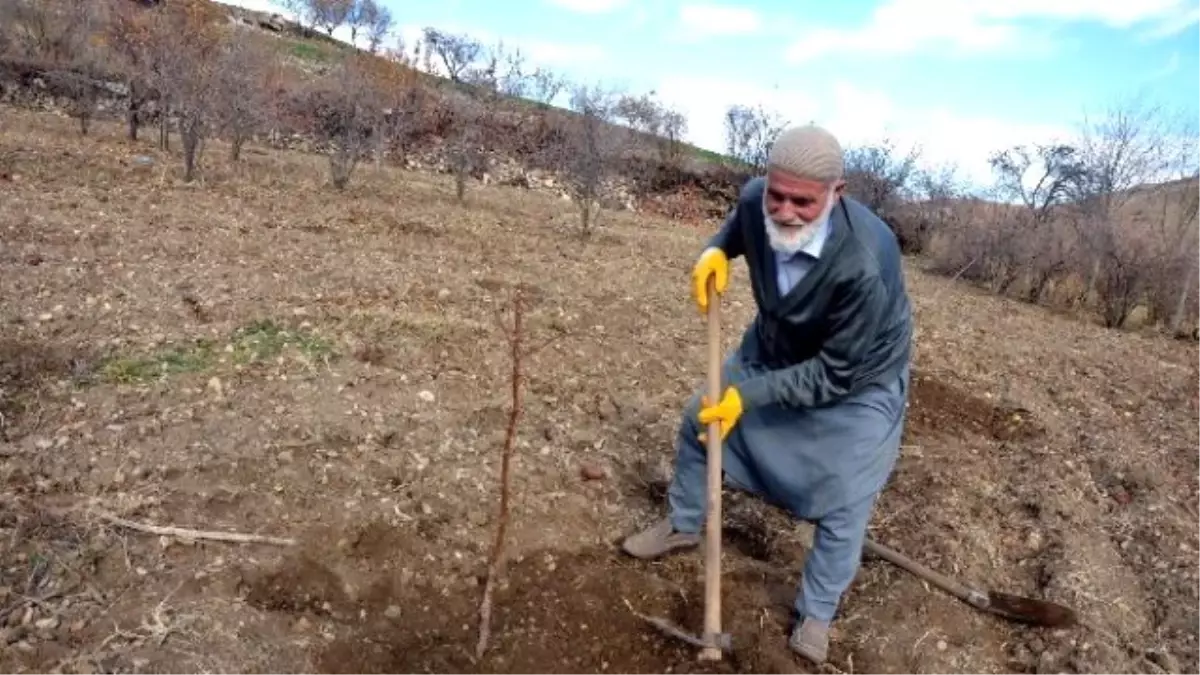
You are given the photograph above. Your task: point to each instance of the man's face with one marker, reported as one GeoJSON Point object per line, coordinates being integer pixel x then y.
{"type": "Point", "coordinates": [792, 201]}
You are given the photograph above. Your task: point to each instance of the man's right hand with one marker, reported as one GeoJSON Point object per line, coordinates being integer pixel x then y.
{"type": "Point", "coordinates": [712, 263]}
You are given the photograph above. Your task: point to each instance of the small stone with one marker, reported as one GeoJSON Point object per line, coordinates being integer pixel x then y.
{"type": "Point", "coordinates": [285, 456]}
{"type": "Point", "coordinates": [426, 396]}
{"type": "Point", "coordinates": [590, 471]}
{"type": "Point", "coordinates": [443, 294]}
{"type": "Point", "coordinates": [392, 612]}
{"type": "Point", "coordinates": [43, 444]}
{"type": "Point", "coordinates": [1164, 660]}
{"type": "Point", "coordinates": [941, 645]}
{"type": "Point", "coordinates": [49, 623]}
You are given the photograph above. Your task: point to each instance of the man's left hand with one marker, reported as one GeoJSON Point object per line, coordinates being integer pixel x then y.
{"type": "Point", "coordinates": [726, 412]}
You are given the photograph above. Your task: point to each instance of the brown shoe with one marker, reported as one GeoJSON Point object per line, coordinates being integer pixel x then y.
{"type": "Point", "coordinates": [658, 540]}
{"type": "Point", "coordinates": [811, 640]}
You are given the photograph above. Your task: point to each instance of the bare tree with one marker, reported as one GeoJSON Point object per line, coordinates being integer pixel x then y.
{"type": "Point", "coordinates": [665, 128]}
{"type": "Point", "coordinates": [184, 42]}
{"type": "Point", "coordinates": [129, 46]}
{"type": "Point", "coordinates": [879, 176]}
{"type": "Point", "coordinates": [60, 37]}
{"type": "Point", "coordinates": [1040, 179]}
{"type": "Point", "coordinates": [304, 12]}
{"type": "Point", "coordinates": [591, 147]}
{"type": "Point", "coordinates": [330, 14]}
{"type": "Point", "coordinates": [377, 21]}
{"type": "Point", "coordinates": [936, 193]}
{"type": "Point", "coordinates": [498, 72]}
{"type": "Point", "coordinates": [245, 71]}
{"type": "Point", "coordinates": [467, 130]}
{"type": "Point", "coordinates": [749, 133]}
{"type": "Point", "coordinates": [457, 53]}
{"type": "Point", "coordinates": [544, 86]}
{"type": "Point", "coordinates": [1119, 154]}
{"type": "Point", "coordinates": [1169, 214]}
{"type": "Point", "coordinates": [342, 110]}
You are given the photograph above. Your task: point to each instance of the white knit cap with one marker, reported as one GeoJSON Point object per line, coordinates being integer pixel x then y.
{"type": "Point", "coordinates": [808, 152]}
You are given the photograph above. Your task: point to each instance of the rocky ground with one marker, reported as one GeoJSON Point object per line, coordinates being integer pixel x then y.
{"type": "Point", "coordinates": [256, 353]}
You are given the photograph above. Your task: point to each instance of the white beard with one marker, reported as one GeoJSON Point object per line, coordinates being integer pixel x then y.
{"type": "Point", "coordinates": [792, 238]}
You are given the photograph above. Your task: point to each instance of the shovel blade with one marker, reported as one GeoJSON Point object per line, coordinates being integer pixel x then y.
{"type": "Point", "coordinates": [1030, 611]}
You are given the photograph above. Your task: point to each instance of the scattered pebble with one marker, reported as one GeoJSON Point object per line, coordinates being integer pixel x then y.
{"type": "Point", "coordinates": [426, 396]}
{"type": "Point", "coordinates": [590, 471]}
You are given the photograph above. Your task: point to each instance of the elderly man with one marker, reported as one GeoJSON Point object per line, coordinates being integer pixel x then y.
{"type": "Point", "coordinates": [815, 397]}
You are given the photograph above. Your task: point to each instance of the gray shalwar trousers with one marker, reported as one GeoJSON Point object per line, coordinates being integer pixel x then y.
{"type": "Point", "coordinates": [825, 465]}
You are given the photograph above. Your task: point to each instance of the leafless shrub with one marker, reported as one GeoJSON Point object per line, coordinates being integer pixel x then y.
{"type": "Point", "coordinates": [879, 177]}
{"type": "Point", "coordinates": [749, 134]}
{"type": "Point", "coordinates": [933, 207]}
{"type": "Point", "coordinates": [343, 111]}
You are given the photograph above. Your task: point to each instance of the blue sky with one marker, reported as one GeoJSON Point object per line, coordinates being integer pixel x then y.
{"type": "Point", "coordinates": [958, 77]}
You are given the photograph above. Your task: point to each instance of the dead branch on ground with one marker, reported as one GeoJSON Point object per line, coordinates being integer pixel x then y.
{"type": "Point", "coordinates": [184, 533]}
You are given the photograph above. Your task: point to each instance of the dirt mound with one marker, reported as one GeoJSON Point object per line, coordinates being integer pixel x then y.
{"type": "Point", "coordinates": [570, 612]}
{"type": "Point", "coordinates": [939, 407]}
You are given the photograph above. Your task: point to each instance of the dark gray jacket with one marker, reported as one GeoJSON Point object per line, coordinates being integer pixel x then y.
{"type": "Point", "coordinates": [847, 324]}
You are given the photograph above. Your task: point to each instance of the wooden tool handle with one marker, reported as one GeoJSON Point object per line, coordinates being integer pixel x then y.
{"type": "Point", "coordinates": [969, 595]}
{"type": "Point", "coordinates": [712, 550]}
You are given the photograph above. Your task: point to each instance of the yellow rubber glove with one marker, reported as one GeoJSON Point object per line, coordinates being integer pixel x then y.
{"type": "Point", "coordinates": [712, 262]}
{"type": "Point", "coordinates": [727, 412]}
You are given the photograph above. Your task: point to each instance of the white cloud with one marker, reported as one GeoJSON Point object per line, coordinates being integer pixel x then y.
{"type": "Point", "coordinates": [858, 116]}
{"type": "Point", "coordinates": [589, 6]}
{"type": "Point", "coordinates": [1170, 26]}
{"type": "Point", "coordinates": [900, 26]}
{"type": "Point", "coordinates": [706, 20]}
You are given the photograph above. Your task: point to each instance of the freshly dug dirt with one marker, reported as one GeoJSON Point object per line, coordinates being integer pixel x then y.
{"type": "Point", "coordinates": [259, 353]}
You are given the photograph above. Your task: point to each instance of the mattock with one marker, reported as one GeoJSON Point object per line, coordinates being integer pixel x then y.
{"type": "Point", "coordinates": [713, 643]}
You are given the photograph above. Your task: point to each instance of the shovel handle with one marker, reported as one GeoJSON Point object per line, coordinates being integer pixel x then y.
{"type": "Point", "coordinates": [712, 539]}
{"type": "Point", "coordinates": [964, 593]}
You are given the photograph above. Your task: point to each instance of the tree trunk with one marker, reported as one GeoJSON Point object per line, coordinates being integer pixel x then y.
{"type": "Point", "coordinates": [132, 111]}
{"type": "Point", "coordinates": [190, 138]}
{"type": "Point", "coordinates": [1181, 314]}
{"type": "Point", "coordinates": [235, 146]}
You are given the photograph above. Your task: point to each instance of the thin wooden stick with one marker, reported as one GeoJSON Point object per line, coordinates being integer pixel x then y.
{"type": "Point", "coordinates": [510, 438]}
{"type": "Point", "coordinates": [171, 531]}
{"type": "Point", "coordinates": [712, 553]}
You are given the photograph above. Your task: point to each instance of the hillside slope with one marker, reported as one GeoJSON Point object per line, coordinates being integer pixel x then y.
{"type": "Point", "coordinates": [259, 354]}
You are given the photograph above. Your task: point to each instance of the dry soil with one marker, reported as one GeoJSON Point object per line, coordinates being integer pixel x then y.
{"type": "Point", "coordinates": [258, 353]}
